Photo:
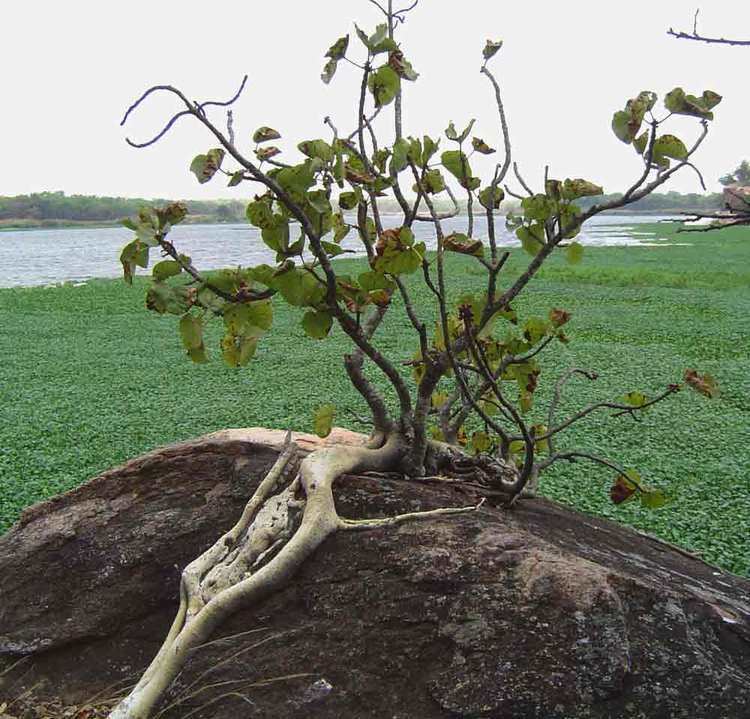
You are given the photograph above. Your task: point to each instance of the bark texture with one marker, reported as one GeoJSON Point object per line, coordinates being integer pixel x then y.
{"type": "Point", "coordinates": [535, 612]}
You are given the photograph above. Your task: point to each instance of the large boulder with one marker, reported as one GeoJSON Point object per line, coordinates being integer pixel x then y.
{"type": "Point", "coordinates": [535, 612]}
{"type": "Point", "coordinates": [737, 198]}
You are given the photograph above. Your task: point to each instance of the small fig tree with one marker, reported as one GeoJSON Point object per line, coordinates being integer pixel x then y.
{"type": "Point", "coordinates": [479, 366]}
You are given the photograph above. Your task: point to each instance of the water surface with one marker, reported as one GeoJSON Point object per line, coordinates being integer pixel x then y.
{"type": "Point", "coordinates": [50, 256]}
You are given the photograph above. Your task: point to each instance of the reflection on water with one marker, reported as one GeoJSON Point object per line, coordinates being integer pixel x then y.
{"type": "Point", "coordinates": [40, 257]}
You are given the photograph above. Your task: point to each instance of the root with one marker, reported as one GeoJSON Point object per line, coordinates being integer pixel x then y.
{"type": "Point", "coordinates": [289, 516]}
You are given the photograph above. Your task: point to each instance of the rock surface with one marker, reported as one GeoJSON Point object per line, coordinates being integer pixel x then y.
{"type": "Point", "coordinates": [737, 197]}
{"type": "Point", "coordinates": [537, 612]}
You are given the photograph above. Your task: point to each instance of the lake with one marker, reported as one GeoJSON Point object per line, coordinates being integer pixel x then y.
{"type": "Point", "coordinates": [42, 257]}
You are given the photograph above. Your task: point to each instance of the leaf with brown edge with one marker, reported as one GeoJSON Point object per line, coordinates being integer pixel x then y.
{"type": "Point", "coordinates": [266, 153]}
{"type": "Point", "coordinates": [481, 442]}
{"type": "Point", "coordinates": [559, 317]}
{"type": "Point", "coordinates": [703, 384]}
{"type": "Point", "coordinates": [458, 242]}
{"type": "Point", "coordinates": [339, 48]}
{"type": "Point", "coordinates": [481, 146]}
{"type": "Point", "coordinates": [640, 143]}
{"type": "Point", "coordinates": [358, 178]}
{"type": "Point", "coordinates": [401, 66]}
{"type": "Point", "coordinates": [491, 48]}
{"type": "Point", "coordinates": [265, 134]}
{"type": "Point", "coordinates": [204, 167]}
{"type": "Point", "coordinates": [622, 490]}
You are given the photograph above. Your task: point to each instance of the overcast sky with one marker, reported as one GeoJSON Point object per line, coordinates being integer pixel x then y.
{"type": "Point", "coordinates": [71, 68]}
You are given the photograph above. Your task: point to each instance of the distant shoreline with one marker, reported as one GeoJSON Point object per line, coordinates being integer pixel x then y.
{"type": "Point", "coordinates": [19, 225]}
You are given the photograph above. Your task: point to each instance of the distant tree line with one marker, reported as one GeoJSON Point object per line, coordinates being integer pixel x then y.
{"type": "Point", "coordinates": [42, 206]}
{"type": "Point", "coordinates": [664, 202]}
{"type": "Point", "coordinates": [57, 207]}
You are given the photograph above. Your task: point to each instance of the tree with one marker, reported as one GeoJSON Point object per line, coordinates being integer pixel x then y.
{"type": "Point", "coordinates": [736, 210]}
{"type": "Point", "coordinates": [474, 376]}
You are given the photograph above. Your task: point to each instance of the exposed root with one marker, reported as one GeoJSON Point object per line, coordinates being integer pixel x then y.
{"type": "Point", "coordinates": [366, 524]}
{"type": "Point", "coordinates": [290, 515]}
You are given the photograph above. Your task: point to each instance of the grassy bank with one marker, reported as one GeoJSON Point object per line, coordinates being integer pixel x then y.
{"type": "Point", "coordinates": [89, 379]}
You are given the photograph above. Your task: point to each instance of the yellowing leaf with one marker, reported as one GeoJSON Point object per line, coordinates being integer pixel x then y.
{"type": "Point", "coordinates": [323, 420]}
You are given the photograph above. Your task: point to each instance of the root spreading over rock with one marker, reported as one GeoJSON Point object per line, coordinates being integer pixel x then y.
{"type": "Point", "coordinates": [289, 516]}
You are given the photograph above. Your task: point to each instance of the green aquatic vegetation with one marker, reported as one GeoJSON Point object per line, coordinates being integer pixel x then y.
{"type": "Point", "coordinates": [87, 382]}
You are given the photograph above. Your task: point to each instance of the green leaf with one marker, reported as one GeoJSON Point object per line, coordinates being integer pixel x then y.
{"type": "Point", "coordinates": [396, 253]}
{"type": "Point", "coordinates": [265, 134]}
{"type": "Point", "coordinates": [430, 147]}
{"type": "Point", "coordinates": [481, 442]}
{"type": "Point", "coordinates": [481, 146]}
{"type": "Point", "coordinates": [635, 399]}
{"type": "Point", "coordinates": [371, 281]}
{"type": "Point", "coordinates": [363, 36]}
{"type": "Point", "coordinates": [250, 319]}
{"type": "Point", "coordinates": [134, 254]}
{"type": "Point", "coordinates": [317, 324]}
{"type": "Point", "coordinates": [451, 133]}
{"type": "Point", "coordinates": [570, 221]}
{"type": "Point", "coordinates": [260, 214]}
{"type": "Point", "coordinates": [297, 179]}
{"type": "Point", "coordinates": [490, 199]}
{"type": "Point", "coordinates": [323, 420]}
{"type": "Point", "coordinates": [538, 207]}
{"type": "Point", "coordinates": [276, 234]}
{"type": "Point", "coordinates": [653, 498]}
{"type": "Point", "coordinates": [238, 351]}
{"type": "Point", "coordinates": [680, 103]}
{"type": "Point", "coordinates": [317, 148]}
{"type": "Point", "coordinates": [384, 85]}
{"type": "Point", "coordinates": [641, 143]}
{"type": "Point", "coordinates": [339, 48]}
{"type": "Point", "coordinates": [340, 227]}
{"type": "Point", "coordinates": [573, 189]}
{"type": "Point", "coordinates": [204, 167]}
{"type": "Point", "coordinates": [535, 329]}
{"type": "Point", "coordinates": [464, 245]}
{"type": "Point", "coordinates": [236, 178]}
{"type": "Point", "coordinates": [165, 269]}
{"type": "Point", "coordinates": [400, 156]}
{"type": "Point", "coordinates": [532, 238]}
{"type": "Point", "coordinates": [299, 288]}
{"type": "Point", "coordinates": [668, 146]}
{"type": "Point", "coordinates": [163, 299]}
{"type": "Point", "coordinates": [491, 48]}
{"type": "Point", "coordinates": [198, 355]}
{"type": "Point", "coordinates": [348, 200]}
{"type": "Point", "coordinates": [539, 430]}
{"type": "Point", "coordinates": [574, 253]}
{"type": "Point", "coordinates": [332, 249]}
{"type": "Point", "coordinates": [457, 164]}
{"type": "Point", "coordinates": [191, 332]}
{"type": "Point", "coordinates": [433, 182]}
{"type": "Point", "coordinates": [380, 157]}
{"type": "Point", "coordinates": [329, 70]}
{"type": "Point", "coordinates": [627, 123]}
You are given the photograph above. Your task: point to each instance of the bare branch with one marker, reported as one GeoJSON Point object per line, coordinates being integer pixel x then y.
{"type": "Point", "coordinates": [695, 35]}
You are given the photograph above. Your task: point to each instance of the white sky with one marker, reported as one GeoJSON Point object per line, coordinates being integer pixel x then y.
{"type": "Point", "coordinates": [71, 68]}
